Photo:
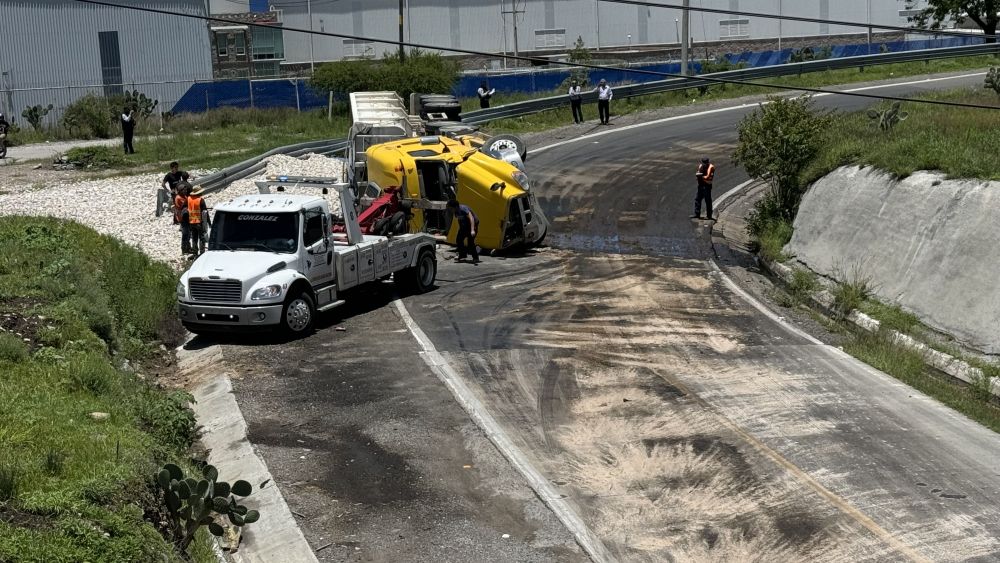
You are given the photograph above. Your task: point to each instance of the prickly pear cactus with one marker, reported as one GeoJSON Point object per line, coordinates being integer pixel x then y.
{"type": "Point", "coordinates": [143, 105]}
{"type": "Point", "coordinates": [193, 503]}
{"type": "Point", "coordinates": [887, 117]}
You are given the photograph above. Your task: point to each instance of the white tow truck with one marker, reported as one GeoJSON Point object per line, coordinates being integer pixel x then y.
{"type": "Point", "coordinates": [274, 260]}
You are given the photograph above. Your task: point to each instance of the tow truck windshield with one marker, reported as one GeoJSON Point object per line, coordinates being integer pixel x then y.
{"type": "Point", "coordinates": [265, 232]}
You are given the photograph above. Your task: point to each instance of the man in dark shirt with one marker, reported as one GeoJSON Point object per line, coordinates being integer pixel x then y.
{"type": "Point", "coordinates": [128, 129]}
{"type": "Point", "coordinates": [468, 224]}
{"type": "Point", "coordinates": [173, 178]}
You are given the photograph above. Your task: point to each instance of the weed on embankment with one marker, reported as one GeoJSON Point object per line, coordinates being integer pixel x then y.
{"type": "Point", "coordinates": [80, 431]}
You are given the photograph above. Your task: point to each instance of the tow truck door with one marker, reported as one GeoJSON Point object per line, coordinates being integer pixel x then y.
{"type": "Point", "coordinates": [318, 251]}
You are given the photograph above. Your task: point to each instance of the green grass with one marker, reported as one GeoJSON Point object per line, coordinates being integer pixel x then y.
{"type": "Point", "coordinates": [556, 118]}
{"type": "Point", "coordinates": [891, 316]}
{"type": "Point", "coordinates": [772, 239]}
{"type": "Point", "coordinates": [73, 488]}
{"type": "Point", "coordinates": [879, 351]}
{"type": "Point", "coordinates": [804, 283]}
{"type": "Point", "coordinates": [962, 143]}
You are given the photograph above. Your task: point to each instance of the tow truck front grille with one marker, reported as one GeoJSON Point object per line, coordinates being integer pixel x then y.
{"type": "Point", "coordinates": [217, 291]}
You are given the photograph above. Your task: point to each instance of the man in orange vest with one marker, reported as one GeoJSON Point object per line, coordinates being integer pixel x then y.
{"type": "Point", "coordinates": [198, 220]}
{"type": "Point", "coordinates": [181, 215]}
{"type": "Point", "coordinates": [705, 175]}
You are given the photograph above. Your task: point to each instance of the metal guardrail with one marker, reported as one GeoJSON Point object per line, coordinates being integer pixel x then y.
{"type": "Point", "coordinates": [218, 181]}
{"type": "Point", "coordinates": [673, 84]}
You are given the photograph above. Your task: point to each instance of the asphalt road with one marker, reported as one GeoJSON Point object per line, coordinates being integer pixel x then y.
{"type": "Point", "coordinates": [680, 422]}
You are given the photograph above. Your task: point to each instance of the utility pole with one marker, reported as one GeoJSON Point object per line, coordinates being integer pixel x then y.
{"type": "Point", "coordinates": [312, 54]}
{"type": "Point", "coordinates": [685, 36]}
{"type": "Point", "coordinates": [597, 6]}
{"type": "Point", "coordinates": [513, 13]}
{"type": "Point", "coordinates": [402, 52]}
{"type": "Point", "coordinates": [779, 25]}
{"type": "Point", "coordinates": [869, 27]}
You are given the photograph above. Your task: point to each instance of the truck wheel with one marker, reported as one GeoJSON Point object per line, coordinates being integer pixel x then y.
{"type": "Point", "coordinates": [397, 224]}
{"type": "Point", "coordinates": [540, 240]}
{"type": "Point", "coordinates": [298, 314]}
{"type": "Point", "coordinates": [494, 145]}
{"type": "Point", "coordinates": [420, 278]}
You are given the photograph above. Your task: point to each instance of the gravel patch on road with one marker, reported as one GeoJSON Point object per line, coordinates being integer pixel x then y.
{"type": "Point", "coordinates": [123, 207]}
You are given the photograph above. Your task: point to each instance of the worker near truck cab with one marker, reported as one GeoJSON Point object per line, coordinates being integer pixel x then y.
{"type": "Point", "coordinates": [468, 224]}
{"type": "Point", "coordinates": [181, 216]}
{"type": "Point", "coordinates": [485, 93]}
{"type": "Point", "coordinates": [705, 176]}
{"type": "Point", "coordinates": [198, 220]}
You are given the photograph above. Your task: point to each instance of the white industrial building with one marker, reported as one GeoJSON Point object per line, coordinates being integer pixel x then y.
{"type": "Point", "coordinates": [547, 25]}
{"type": "Point", "coordinates": [57, 51]}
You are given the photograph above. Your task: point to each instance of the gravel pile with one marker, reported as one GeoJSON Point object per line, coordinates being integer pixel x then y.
{"type": "Point", "coordinates": [133, 200]}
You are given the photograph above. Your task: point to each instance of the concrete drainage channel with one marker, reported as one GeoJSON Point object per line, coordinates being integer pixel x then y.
{"type": "Point", "coordinates": [276, 536]}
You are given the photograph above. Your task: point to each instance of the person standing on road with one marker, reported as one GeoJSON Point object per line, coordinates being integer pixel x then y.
{"type": "Point", "coordinates": [181, 216]}
{"type": "Point", "coordinates": [485, 93]}
{"type": "Point", "coordinates": [705, 176]}
{"type": "Point", "coordinates": [128, 129]}
{"type": "Point", "coordinates": [576, 101]}
{"type": "Point", "coordinates": [198, 220]}
{"type": "Point", "coordinates": [468, 224]}
{"type": "Point", "coordinates": [604, 97]}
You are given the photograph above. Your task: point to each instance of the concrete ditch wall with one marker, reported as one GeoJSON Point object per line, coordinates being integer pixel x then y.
{"type": "Point", "coordinates": [930, 245]}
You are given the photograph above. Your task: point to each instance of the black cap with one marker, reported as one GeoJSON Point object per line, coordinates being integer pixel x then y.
{"type": "Point", "coordinates": [705, 160]}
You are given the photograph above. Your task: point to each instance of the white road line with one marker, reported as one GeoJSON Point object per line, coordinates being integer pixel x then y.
{"type": "Point", "coordinates": [741, 106]}
{"type": "Point", "coordinates": [481, 416]}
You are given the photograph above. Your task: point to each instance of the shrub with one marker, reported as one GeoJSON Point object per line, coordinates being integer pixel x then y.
{"type": "Point", "coordinates": [803, 284]}
{"type": "Point", "coordinates": [992, 81]}
{"type": "Point", "coordinates": [773, 237]}
{"type": "Point", "coordinates": [97, 156]}
{"type": "Point", "coordinates": [166, 416]}
{"type": "Point", "coordinates": [12, 348]}
{"type": "Point", "coordinates": [94, 373]}
{"type": "Point", "coordinates": [854, 288]}
{"type": "Point", "coordinates": [90, 116]}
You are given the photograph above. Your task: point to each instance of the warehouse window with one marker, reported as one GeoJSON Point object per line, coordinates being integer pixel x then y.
{"type": "Point", "coordinates": [111, 62]}
{"type": "Point", "coordinates": [734, 29]}
{"type": "Point", "coordinates": [550, 38]}
{"type": "Point", "coordinates": [267, 43]}
{"type": "Point", "coordinates": [355, 48]}
{"type": "Point", "coordinates": [222, 45]}
{"type": "Point", "coordinates": [241, 44]}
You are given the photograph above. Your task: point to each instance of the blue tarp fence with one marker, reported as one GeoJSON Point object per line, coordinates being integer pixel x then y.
{"type": "Point", "coordinates": [293, 93]}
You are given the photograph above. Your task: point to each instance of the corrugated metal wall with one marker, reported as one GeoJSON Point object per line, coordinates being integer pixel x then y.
{"type": "Point", "coordinates": [50, 52]}
{"type": "Point", "coordinates": [479, 25]}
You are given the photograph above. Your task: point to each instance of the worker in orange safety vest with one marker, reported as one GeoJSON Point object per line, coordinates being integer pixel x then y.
{"type": "Point", "coordinates": [705, 176]}
{"type": "Point", "coordinates": [198, 220]}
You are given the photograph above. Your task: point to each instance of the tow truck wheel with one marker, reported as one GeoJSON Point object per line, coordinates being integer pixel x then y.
{"type": "Point", "coordinates": [420, 278]}
{"type": "Point", "coordinates": [298, 314]}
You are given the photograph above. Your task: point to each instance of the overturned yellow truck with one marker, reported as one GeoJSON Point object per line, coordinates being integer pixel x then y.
{"type": "Point", "coordinates": [390, 150]}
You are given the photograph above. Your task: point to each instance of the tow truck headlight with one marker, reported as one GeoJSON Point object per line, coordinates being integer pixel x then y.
{"type": "Point", "coordinates": [181, 290]}
{"type": "Point", "coordinates": [268, 292]}
{"type": "Point", "coordinates": [522, 180]}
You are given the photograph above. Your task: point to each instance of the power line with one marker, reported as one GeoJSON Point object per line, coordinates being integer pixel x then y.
{"type": "Point", "coordinates": [702, 78]}
{"type": "Point", "coordinates": [791, 18]}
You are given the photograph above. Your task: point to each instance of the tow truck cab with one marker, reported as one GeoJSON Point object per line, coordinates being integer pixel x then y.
{"type": "Point", "coordinates": [273, 261]}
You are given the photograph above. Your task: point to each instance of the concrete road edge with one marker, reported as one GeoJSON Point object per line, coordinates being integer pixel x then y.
{"type": "Point", "coordinates": [276, 537]}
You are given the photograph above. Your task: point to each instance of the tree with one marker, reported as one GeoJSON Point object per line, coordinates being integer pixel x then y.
{"type": "Point", "coordinates": [983, 12]}
{"type": "Point", "coordinates": [420, 72]}
{"type": "Point", "coordinates": [776, 142]}
{"type": "Point", "coordinates": [34, 115]}
{"type": "Point", "coordinates": [578, 54]}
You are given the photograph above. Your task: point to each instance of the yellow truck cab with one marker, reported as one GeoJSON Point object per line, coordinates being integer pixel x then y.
{"type": "Point", "coordinates": [431, 170]}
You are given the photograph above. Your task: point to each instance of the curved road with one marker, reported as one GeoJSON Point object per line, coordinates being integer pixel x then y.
{"type": "Point", "coordinates": [682, 422]}
{"type": "Point", "coordinates": [671, 416]}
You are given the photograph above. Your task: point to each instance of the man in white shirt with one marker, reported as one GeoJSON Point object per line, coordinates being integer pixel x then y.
{"type": "Point", "coordinates": [604, 96]}
{"type": "Point", "coordinates": [485, 93]}
{"type": "Point", "coordinates": [576, 101]}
